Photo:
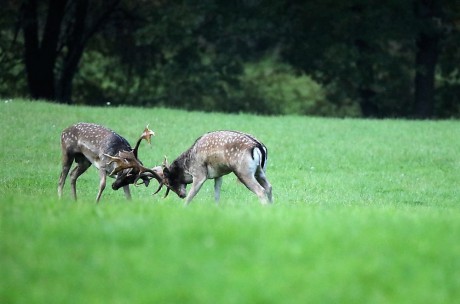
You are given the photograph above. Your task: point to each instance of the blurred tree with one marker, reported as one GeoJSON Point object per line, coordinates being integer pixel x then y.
{"type": "Point", "coordinates": [12, 80]}
{"type": "Point", "coordinates": [187, 54]}
{"type": "Point", "coordinates": [370, 51]}
{"type": "Point", "coordinates": [397, 58]}
{"type": "Point", "coordinates": [357, 49]}
{"type": "Point", "coordinates": [447, 98]}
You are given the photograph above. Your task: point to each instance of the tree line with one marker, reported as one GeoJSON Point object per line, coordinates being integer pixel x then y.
{"type": "Point", "coordinates": [320, 57]}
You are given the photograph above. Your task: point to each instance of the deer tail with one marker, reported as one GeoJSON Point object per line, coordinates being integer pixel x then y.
{"type": "Point", "coordinates": [264, 154]}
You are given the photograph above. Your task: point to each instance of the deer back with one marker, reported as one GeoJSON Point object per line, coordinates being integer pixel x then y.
{"type": "Point", "coordinates": [218, 153]}
{"type": "Point", "coordinates": [93, 141]}
{"type": "Point", "coordinates": [226, 148]}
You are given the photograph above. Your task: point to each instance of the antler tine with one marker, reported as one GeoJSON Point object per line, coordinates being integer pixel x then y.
{"type": "Point", "coordinates": [122, 162]}
{"type": "Point", "coordinates": [147, 134]}
{"type": "Point", "coordinates": [167, 192]}
{"type": "Point", "coordinates": [143, 169]}
{"type": "Point", "coordinates": [155, 175]}
{"type": "Point", "coordinates": [161, 181]}
{"type": "Point", "coordinates": [127, 160]}
{"type": "Point", "coordinates": [165, 162]}
{"type": "Point", "coordinates": [159, 188]}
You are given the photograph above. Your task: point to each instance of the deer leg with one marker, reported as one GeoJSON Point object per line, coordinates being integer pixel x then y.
{"type": "Point", "coordinates": [262, 180]}
{"type": "Point", "coordinates": [82, 165]}
{"type": "Point", "coordinates": [251, 183]}
{"type": "Point", "coordinates": [102, 183]}
{"type": "Point", "coordinates": [67, 161]}
{"type": "Point", "coordinates": [127, 192]}
{"type": "Point", "coordinates": [217, 186]}
{"type": "Point", "coordinates": [196, 186]}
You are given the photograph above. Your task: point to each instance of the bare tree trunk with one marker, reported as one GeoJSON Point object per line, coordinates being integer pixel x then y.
{"type": "Point", "coordinates": [40, 56]}
{"type": "Point", "coordinates": [426, 60]}
{"type": "Point", "coordinates": [428, 14]}
{"type": "Point", "coordinates": [72, 36]}
{"type": "Point", "coordinates": [367, 103]}
{"type": "Point", "coordinates": [76, 46]}
{"type": "Point", "coordinates": [82, 30]}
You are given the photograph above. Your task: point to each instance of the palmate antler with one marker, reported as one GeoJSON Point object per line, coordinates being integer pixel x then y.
{"type": "Point", "coordinates": [124, 160]}
{"type": "Point", "coordinates": [129, 160]}
{"type": "Point", "coordinates": [147, 134]}
{"type": "Point", "coordinates": [163, 182]}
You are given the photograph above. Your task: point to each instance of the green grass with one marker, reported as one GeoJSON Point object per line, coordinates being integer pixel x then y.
{"type": "Point", "coordinates": [365, 211]}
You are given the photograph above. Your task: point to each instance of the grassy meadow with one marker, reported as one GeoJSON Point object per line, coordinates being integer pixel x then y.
{"type": "Point", "coordinates": [365, 211]}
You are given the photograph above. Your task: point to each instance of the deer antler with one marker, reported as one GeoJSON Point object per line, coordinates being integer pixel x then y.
{"type": "Point", "coordinates": [161, 186]}
{"type": "Point", "coordinates": [127, 160]}
{"type": "Point", "coordinates": [147, 134]}
{"type": "Point", "coordinates": [165, 162]}
{"type": "Point", "coordinates": [124, 160]}
{"type": "Point", "coordinates": [162, 182]}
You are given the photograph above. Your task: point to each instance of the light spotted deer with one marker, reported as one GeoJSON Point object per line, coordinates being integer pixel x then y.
{"type": "Point", "coordinates": [216, 154]}
{"type": "Point", "coordinates": [111, 154]}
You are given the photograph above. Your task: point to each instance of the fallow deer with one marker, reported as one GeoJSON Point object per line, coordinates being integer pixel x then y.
{"type": "Point", "coordinates": [110, 153]}
{"type": "Point", "coordinates": [214, 155]}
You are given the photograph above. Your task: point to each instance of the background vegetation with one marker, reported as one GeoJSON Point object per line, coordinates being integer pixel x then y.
{"type": "Point", "coordinates": [356, 58]}
{"type": "Point", "coordinates": [365, 211]}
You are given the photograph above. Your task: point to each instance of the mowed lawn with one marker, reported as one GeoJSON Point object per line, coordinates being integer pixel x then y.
{"type": "Point", "coordinates": [365, 211]}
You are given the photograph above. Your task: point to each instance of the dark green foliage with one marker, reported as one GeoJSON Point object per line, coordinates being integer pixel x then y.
{"type": "Point", "coordinates": [374, 59]}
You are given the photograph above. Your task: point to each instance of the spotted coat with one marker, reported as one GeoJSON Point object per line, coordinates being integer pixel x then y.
{"type": "Point", "coordinates": [216, 154]}
{"type": "Point", "coordinates": [91, 144]}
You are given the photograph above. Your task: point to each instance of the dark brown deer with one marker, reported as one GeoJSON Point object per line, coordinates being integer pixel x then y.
{"type": "Point", "coordinates": [111, 154]}
{"type": "Point", "coordinates": [214, 155]}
